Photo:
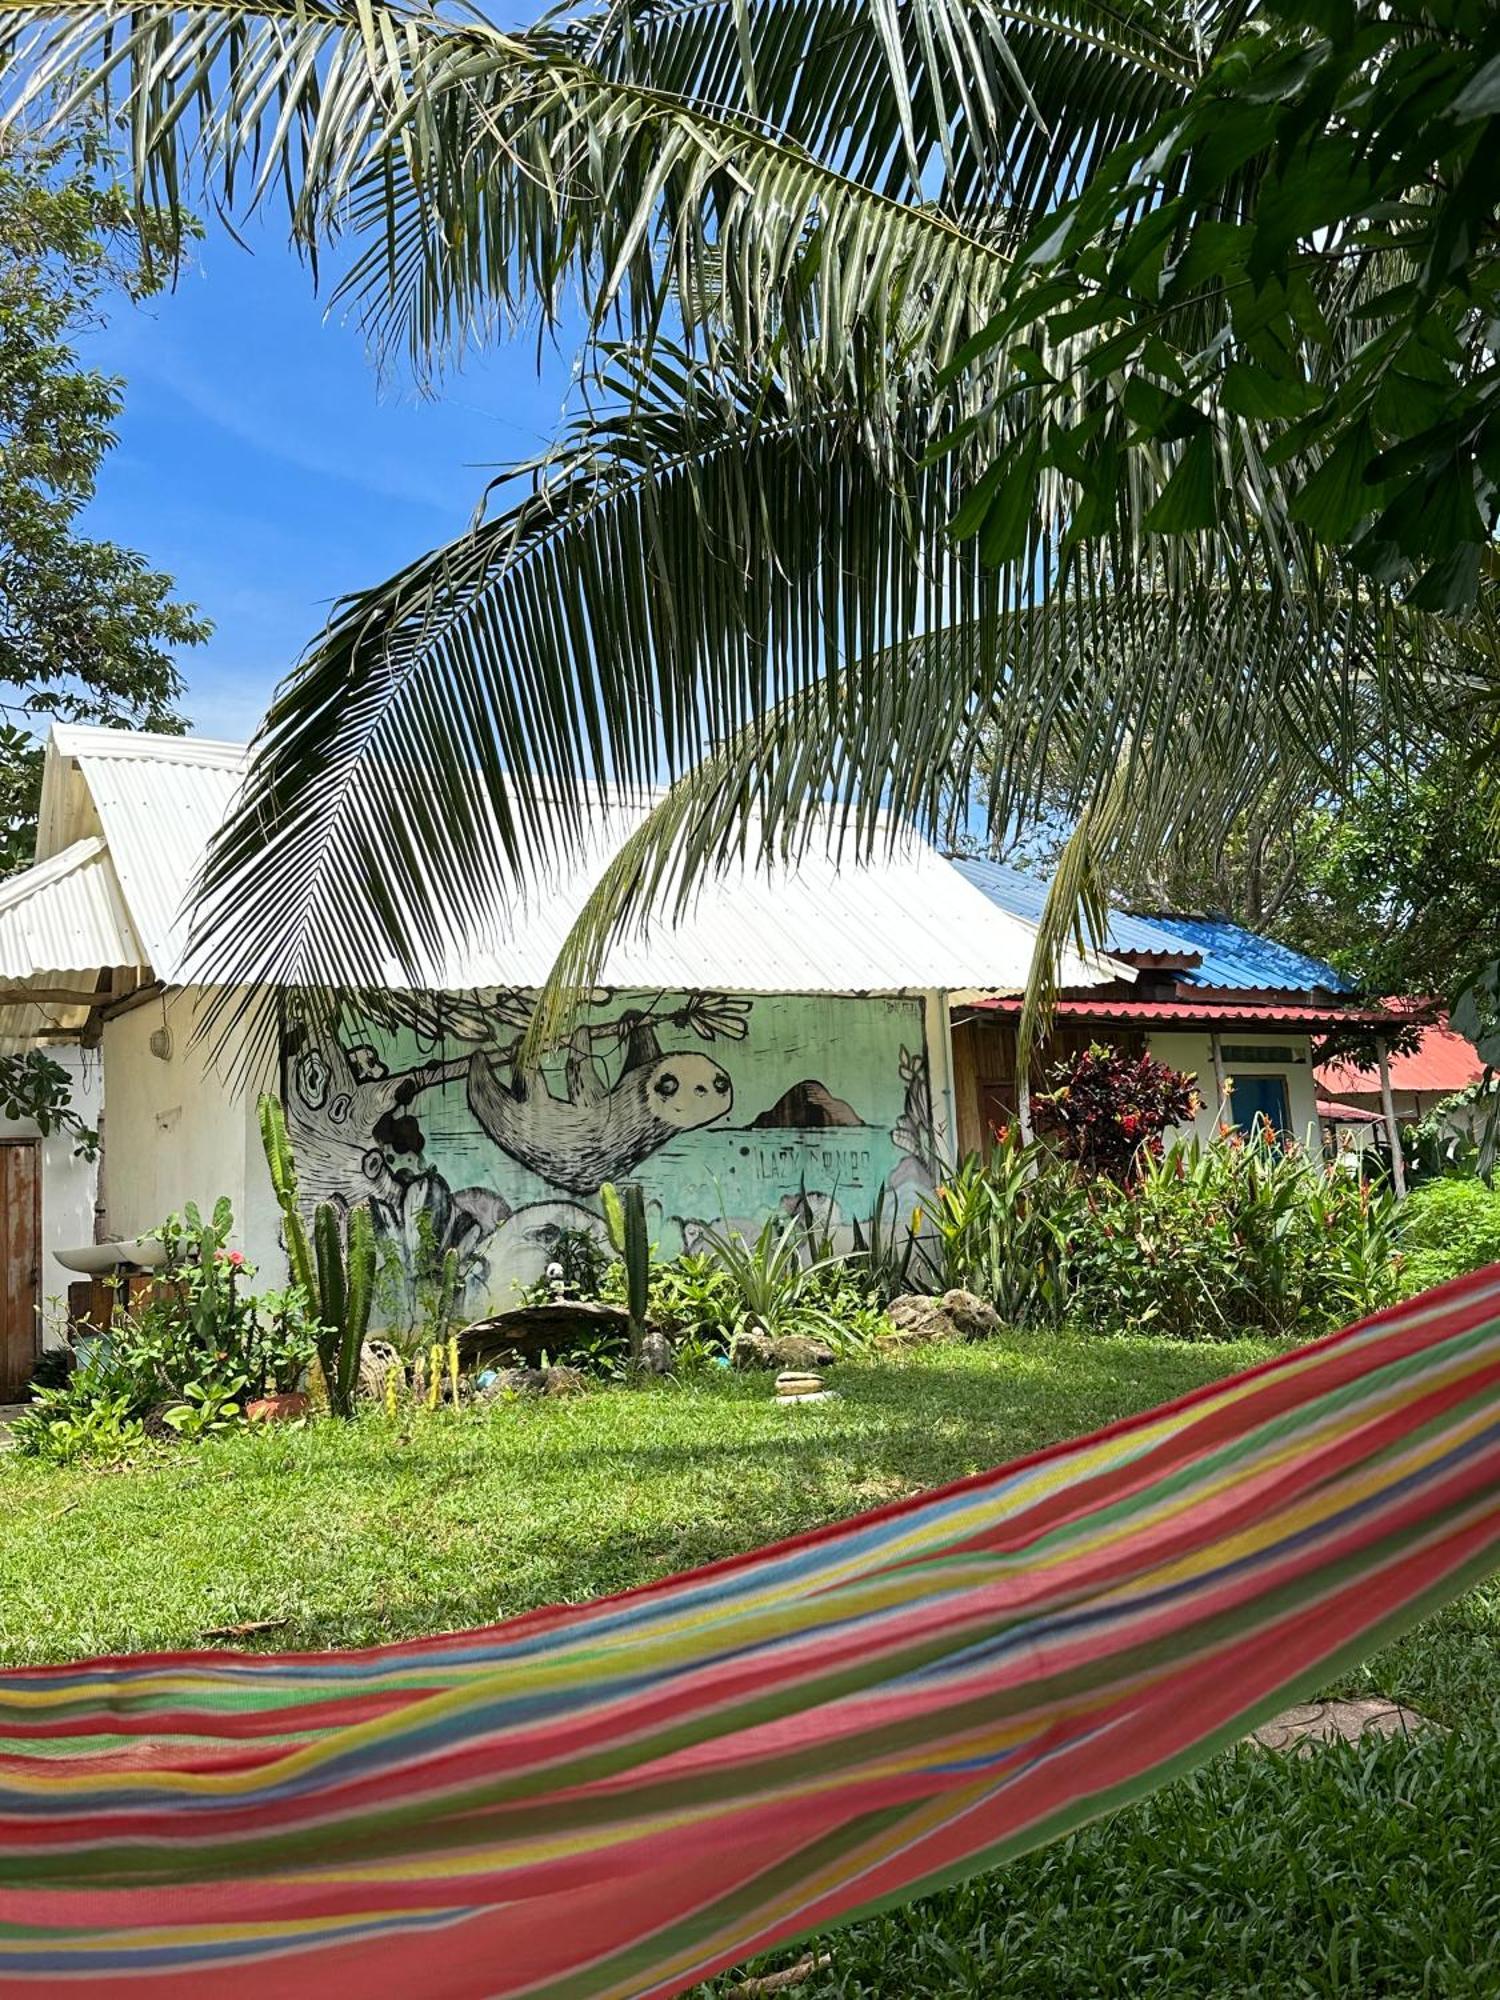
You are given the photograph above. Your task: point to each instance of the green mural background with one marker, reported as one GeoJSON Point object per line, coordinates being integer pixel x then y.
{"type": "Point", "coordinates": [723, 1107]}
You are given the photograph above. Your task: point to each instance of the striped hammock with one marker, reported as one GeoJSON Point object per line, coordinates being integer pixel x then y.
{"type": "Point", "coordinates": [620, 1798]}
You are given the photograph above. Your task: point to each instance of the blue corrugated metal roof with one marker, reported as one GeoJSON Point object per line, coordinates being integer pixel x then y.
{"type": "Point", "coordinates": [1246, 962]}
{"type": "Point", "coordinates": [1024, 895]}
{"type": "Point", "coordinates": [1231, 956]}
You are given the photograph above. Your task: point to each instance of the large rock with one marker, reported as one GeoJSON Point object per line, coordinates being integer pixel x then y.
{"type": "Point", "coordinates": [753, 1347]}
{"type": "Point", "coordinates": [656, 1353]}
{"type": "Point", "coordinates": [801, 1351]}
{"type": "Point", "coordinates": [958, 1315]}
{"type": "Point", "coordinates": [525, 1333]}
{"type": "Point", "coordinates": [973, 1318]}
{"type": "Point", "coordinates": [554, 1381]}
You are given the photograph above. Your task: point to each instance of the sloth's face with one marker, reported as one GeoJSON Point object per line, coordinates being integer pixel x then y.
{"type": "Point", "coordinates": [688, 1090]}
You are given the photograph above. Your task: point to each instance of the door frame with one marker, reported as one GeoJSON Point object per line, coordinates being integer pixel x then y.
{"type": "Point", "coordinates": [1283, 1082]}
{"type": "Point", "coordinates": [35, 1144]}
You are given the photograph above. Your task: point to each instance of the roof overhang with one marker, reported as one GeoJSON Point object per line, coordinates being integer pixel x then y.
{"type": "Point", "coordinates": [66, 943]}
{"type": "Point", "coordinates": [1207, 1014]}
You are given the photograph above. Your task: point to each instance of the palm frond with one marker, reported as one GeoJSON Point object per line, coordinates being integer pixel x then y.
{"type": "Point", "coordinates": [751, 598]}
{"type": "Point", "coordinates": [976, 104]}
{"type": "Point", "coordinates": [476, 172]}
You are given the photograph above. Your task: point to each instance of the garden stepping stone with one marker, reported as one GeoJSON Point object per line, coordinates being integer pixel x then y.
{"type": "Point", "coordinates": [1300, 1729]}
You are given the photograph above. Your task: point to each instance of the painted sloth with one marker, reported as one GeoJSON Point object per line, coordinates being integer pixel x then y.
{"type": "Point", "coordinates": [598, 1131]}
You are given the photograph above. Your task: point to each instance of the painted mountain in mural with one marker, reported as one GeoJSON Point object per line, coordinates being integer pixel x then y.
{"type": "Point", "coordinates": [806, 1106]}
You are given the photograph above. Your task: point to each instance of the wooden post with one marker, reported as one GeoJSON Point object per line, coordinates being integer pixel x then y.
{"type": "Point", "coordinates": [1220, 1083]}
{"type": "Point", "coordinates": [1392, 1129]}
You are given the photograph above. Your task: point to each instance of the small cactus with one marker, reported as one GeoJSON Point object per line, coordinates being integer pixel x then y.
{"type": "Point", "coordinates": [625, 1219]}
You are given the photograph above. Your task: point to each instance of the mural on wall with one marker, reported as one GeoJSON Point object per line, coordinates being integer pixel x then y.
{"type": "Point", "coordinates": [723, 1107]}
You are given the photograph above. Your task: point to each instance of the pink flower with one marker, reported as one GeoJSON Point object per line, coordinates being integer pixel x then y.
{"type": "Point", "coordinates": [235, 1257]}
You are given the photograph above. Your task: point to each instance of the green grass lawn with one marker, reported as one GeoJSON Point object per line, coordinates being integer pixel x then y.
{"type": "Point", "coordinates": [1355, 1872]}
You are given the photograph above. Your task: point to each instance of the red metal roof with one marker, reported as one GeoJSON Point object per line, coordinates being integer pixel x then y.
{"type": "Point", "coordinates": [1443, 1062]}
{"type": "Point", "coordinates": [1202, 1013]}
{"type": "Point", "coordinates": [1347, 1114]}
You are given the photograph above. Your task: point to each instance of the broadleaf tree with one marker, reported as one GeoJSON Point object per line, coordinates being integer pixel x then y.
{"type": "Point", "coordinates": [869, 468]}
{"type": "Point", "coordinates": [89, 630]}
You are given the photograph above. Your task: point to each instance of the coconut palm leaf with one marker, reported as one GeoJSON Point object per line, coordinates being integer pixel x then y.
{"type": "Point", "coordinates": [477, 171]}
{"type": "Point", "coordinates": [735, 574]}
{"type": "Point", "coordinates": [757, 597]}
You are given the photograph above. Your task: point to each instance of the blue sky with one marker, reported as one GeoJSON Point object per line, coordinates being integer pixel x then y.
{"type": "Point", "coordinates": [264, 465]}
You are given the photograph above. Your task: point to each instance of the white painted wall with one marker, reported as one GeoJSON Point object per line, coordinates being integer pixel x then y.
{"type": "Point", "coordinates": [1191, 1049]}
{"type": "Point", "coordinates": [180, 1128]}
{"type": "Point", "coordinates": [68, 1182]}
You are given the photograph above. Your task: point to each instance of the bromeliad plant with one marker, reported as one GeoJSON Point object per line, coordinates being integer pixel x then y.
{"type": "Point", "coordinates": [336, 1270]}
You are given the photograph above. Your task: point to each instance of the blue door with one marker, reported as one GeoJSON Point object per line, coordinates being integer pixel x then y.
{"type": "Point", "coordinates": [1257, 1098]}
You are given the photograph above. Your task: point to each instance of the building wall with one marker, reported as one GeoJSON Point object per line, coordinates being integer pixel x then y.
{"type": "Point", "coordinates": [984, 1063]}
{"type": "Point", "coordinates": [69, 1182]}
{"type": "Point", "coordinates": [723, 1107]}
{"type": "Point", "coordinates": [179, 1127]}
{"type": "Point", "coordinates": [1191, 1049]}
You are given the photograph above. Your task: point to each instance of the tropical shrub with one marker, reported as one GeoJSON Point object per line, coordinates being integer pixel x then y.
{"type": "Point", "coordinates": [1107, 1112]}
{"type": "Point", "coordinates": [771, 1277]}
{"type": "Point", "coordinates": [1448, 1226]}
{"type": "Point", "coordinates": [186, 1360]}
{"type": "Point", "coordinates": [691, 1298]}
{"type": "Point", "coordinates": [1002, 1228]}
{"type": "Point", "coordinates": [1239, 1236]}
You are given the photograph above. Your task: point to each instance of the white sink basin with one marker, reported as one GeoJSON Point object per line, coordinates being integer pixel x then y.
{"type": "Point", "coordinates": [140, 1253]}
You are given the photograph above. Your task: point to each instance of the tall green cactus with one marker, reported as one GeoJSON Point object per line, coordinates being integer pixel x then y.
{"type": "Point", "coordinates": [336, 1270]}
{"type": "Point", "coordinates": [625, 1219]}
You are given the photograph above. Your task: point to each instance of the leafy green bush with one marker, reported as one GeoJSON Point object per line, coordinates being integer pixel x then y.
{"type": "Point", "coordinates": [1448, 1227]}
{"type": "Point", "coordinates": [1002, 1227]}
{"type": "Point", "coordinates": [191, 1357]}
{"type": "Point", "coordinates": [1235, 1237]}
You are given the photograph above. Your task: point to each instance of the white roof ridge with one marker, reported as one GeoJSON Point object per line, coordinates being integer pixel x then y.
{"type": "Point", "coordinates": [79, 739]}
{"type": "Point", "coordinates": [25, 882]}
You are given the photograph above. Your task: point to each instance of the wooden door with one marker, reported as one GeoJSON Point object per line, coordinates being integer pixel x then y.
{"type": "Point", "coordinates": [20, 1256]}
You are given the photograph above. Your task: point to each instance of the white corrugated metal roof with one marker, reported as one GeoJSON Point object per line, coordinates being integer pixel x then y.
{"type": "Point", "coordinates": [905, 921]}
{"type": "Point", "coordinates": [157, 800]}
{"type": "Point", "coordinates": [62, 923]}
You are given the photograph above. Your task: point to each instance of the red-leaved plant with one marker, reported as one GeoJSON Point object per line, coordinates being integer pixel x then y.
{"type": "Point", "coordinates": [1104, 1109]}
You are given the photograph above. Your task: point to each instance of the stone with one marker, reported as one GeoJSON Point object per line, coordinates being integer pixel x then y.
{"type": "Point", "coordinates": [973, 1318]}
{"type": "Point", "coordinates": [376, 1360]}
{"type": "Point", "coordinates": [560, 1381]}
{"type": "Point", "coordinates": [656, 1353]}
{"type": "Point", "coordinates": [794, 1382]}
{"type": "Point", "coordinates": [801, 1350]}
{"type": "Point", "coordinates": [514, 1382]}
{"type": "Point", "coordinates": [525, 1333]}
{"type": "Point", "coordinates": [958, 1315]}
{"type": "Point", "coordinates": [750, 1348]}
{"type": "Point", "coordinates": [1300, 1729]}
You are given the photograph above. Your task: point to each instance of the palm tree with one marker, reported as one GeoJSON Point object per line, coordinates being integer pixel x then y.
{"type": "Point", "coordinates": [790, 551]}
